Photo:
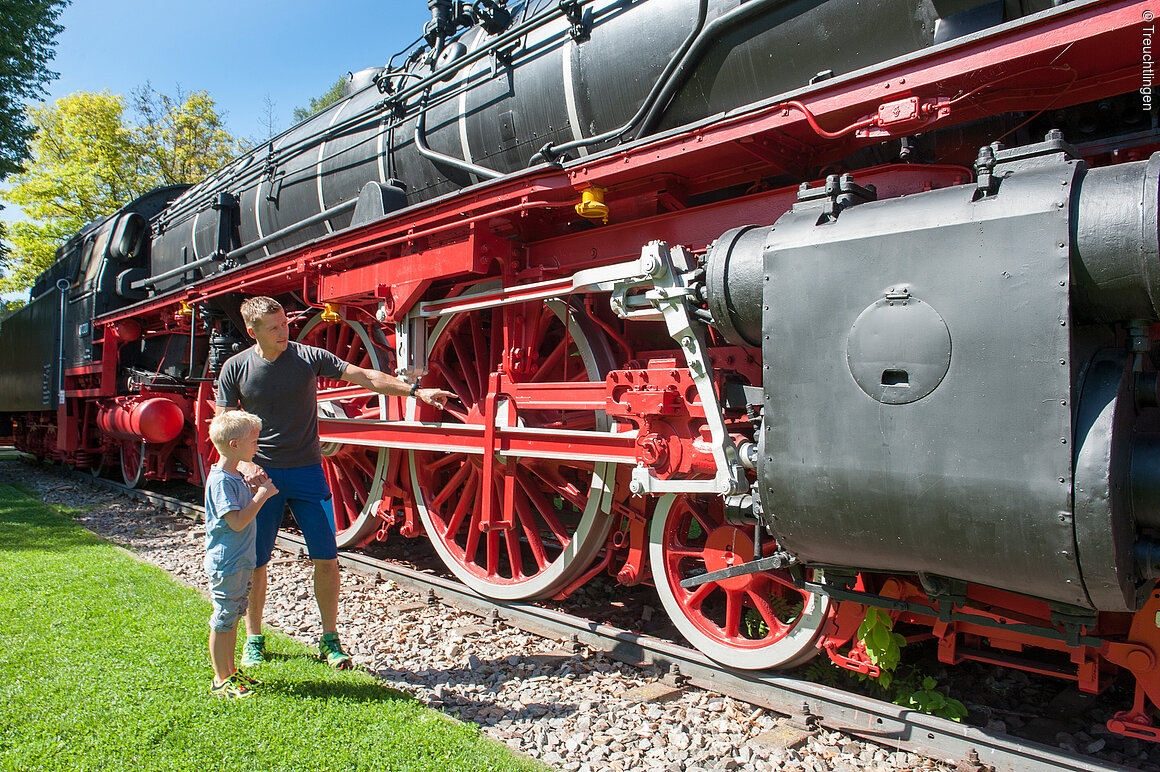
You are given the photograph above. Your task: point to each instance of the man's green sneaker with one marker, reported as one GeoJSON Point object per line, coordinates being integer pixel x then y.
{"type": "Point", "coordinates": [330, 651]}
{"type": "Point", "coordinates": [254, 651]}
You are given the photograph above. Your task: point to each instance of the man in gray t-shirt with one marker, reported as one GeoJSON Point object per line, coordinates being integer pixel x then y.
{"type": "Point", "coordinates": [284, 394]}
{"type": "Point", "coordinates": [277, 380]}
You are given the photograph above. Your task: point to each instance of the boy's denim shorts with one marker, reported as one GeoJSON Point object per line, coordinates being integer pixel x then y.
{"type": "Point", "coordinates": [305, 490]}
{"type": "Point", "coordinates": [230, 594]}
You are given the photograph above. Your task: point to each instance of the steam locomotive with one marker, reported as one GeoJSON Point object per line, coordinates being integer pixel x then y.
{"type": "Point", "coordinates": [783, 317]}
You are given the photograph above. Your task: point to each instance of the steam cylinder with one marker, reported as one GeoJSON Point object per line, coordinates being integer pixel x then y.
{"type": "Point", "coordinates": [943, 390]}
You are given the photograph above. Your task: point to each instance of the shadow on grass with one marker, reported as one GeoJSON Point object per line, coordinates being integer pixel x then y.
{"type": "Point", "coordinates": [336, 690]}
{"type": "Point", "coordinates": [275, 656]}
{"type": "Point", "coordinates": [26, 524]}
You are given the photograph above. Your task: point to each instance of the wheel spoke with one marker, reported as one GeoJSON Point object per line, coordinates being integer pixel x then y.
{"type": "Point", "coordinates": [493, 536]}
{"type": "Point", "coordinates": [527, 520]}
{"type": "Point", "coordinates": [556, 482]}
{"type": "Point", "coordinates": [555, 359]}
{"type": "Point", "coordinates": [475, 386]}
{"type": "Point", "coordinates": [515, 557]}
{"type": "Point", "coordinates": [697, 597]}
{"type": "Point", "coordinates": [356, 354]}
{"type": "Point", "coordinates": [482, 358]}
{"type": "Point", "coordinates": [473, 532]}
{"type": "Point", "coordinates": [776, 626]}
{"type": "Point", "coordinates": [732, 614]}
{"type": "Point", "coordinates": [342, 496]}
{"type": "Point", "coordinates": [545, 510]}
{"type": "Point", "coordinates": [356, 481]}
{"type": "Point", "coordinates": [455, 384]}
{"type": "Point", "coordinates": [461, 506]}
{"type": "Point", "coordinates": [361, 461]}
{"type": "Point", "coordinates": [441, 462]}
{"type": "Point", "coordinates": [452, 486]}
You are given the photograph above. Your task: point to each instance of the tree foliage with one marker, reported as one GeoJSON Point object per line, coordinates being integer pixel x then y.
{"type": "Point", "coordinates": [336, 92]}
{"type": "Point", "coordinates": [28, 30]}
{"type": "Point", "coordinates": [89, 160]}
{"type": "Point", "coordinates": [182, 138]}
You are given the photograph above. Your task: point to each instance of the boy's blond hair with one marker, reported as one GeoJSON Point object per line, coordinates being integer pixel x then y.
{"type": "Point", "coordinates": [232, 425]}
{"type": "Point", "coordinates": [255, 308]}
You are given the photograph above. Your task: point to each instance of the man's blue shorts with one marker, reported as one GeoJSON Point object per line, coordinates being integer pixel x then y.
{"type": "Point", "coordinates": [304, 488]}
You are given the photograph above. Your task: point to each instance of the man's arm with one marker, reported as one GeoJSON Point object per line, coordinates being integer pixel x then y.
{"type": "Point", "coordinates": [382, 383]}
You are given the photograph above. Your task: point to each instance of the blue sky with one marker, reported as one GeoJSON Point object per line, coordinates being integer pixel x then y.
{"type": "Point", "coordinates": [240, 51]}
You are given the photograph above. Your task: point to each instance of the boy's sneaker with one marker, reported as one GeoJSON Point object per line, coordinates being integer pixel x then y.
{"type": "Point", "coordinates": [254, 651]}
{"type": "Point", "coordinates": [246, 681]}
{"type": "Point", "coordinates": [232, 689]}
{"type": "Point", "coordinates": [330, 651]}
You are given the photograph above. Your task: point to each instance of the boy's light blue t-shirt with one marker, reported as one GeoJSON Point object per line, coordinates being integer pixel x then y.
{"type": "Point", "coordinates": [227, 550]}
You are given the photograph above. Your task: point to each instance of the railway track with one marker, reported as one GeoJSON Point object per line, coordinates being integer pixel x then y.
{"type": "Point", "coordinates": [808, 705]}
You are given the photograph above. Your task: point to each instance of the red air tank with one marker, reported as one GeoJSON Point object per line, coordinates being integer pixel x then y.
{"type": "Point", "coordinates": [152, 419]}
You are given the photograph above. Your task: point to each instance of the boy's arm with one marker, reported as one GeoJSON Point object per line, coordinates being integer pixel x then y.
{"type": "Point", "coordinates": [238, 519]}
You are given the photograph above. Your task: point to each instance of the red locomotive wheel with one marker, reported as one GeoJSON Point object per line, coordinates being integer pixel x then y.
{"type": "Point", "coordinates": [749, 622]}
{"type": "Point", "coordinates": [556, 523]}
{"type": "Point", "coordinates": [97, 467]}
{"type": "Point", "coordinates": [133, 463]}
{"type": "Point", "coordinates": [354, 473]}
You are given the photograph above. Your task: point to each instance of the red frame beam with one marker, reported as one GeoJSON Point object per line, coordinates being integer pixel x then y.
{"type": "Point", "coordinates": [619, 447]}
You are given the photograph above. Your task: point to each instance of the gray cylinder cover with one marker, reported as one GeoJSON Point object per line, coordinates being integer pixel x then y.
{"type": "Point", "coordinates": [918, 385]}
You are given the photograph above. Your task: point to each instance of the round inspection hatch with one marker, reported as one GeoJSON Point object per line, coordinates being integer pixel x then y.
{"type": "Point", "coordinates": [899, 349]}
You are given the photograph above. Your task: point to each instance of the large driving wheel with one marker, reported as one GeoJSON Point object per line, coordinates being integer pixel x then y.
{"type": "Point", "coordinates": [553, 505]}
{"type": "Point", "coordinates": [98, 463]}
{"type": "Point", "coordinates": [354, 473]}
{"type": "Point", "coordinates": [133, 462]}
{"type": "Point", "coordinates": [749, 622]}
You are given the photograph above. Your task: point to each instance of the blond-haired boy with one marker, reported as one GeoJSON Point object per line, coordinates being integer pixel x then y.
{"type": "Point", "coordinates": [230, 508]}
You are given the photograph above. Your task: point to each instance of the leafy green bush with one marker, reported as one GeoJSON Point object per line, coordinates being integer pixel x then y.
{"type": "Point", "coordinates": [903, 685]}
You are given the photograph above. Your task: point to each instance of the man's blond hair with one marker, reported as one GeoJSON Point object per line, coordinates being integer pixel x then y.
{"type": "Point", "coordinates": [255, 308]}
{"type": "Point", "coordinates": [232, 425]}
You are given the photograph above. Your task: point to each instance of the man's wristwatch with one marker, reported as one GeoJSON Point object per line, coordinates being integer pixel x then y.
{"type": "Point", "coordinates": [414, 388]}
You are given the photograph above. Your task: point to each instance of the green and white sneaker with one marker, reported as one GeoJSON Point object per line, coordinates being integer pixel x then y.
{"type": "Point", "coordinates": [254, 651]}
{"type": "Point", "coordinates": [330, 651]}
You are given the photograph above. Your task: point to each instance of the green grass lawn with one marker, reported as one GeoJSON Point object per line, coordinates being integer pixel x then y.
{"type": "Point", "coordinates": [103, 666]}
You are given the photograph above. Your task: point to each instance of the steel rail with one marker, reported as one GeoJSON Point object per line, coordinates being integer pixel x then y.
{"type": "Point", "coordinates": [808, 705]}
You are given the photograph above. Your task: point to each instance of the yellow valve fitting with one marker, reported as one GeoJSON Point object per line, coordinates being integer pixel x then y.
{"type": "Point", "coordinates": [330, 313]}
{"type": "Point", "coordinates": [185, 310]}
{"type": "Point", "coordinates": [592, 204]}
